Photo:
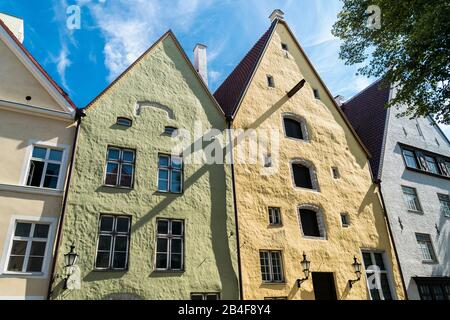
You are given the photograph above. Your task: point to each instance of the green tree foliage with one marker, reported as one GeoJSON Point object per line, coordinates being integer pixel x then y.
{"type": "Point", "coordinates": [410, 48]}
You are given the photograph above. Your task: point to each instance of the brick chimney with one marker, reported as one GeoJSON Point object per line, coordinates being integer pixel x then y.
{"type": "Point", "coordinates": [14, 24]}
{"type": "Point", "coordinates": [201, 62]}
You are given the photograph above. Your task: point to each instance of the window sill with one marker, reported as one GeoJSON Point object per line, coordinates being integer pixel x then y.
{"type": "Point", "coordinates": [31, 190]}
{"type": "Point", "coordinates": [314, 238]}
{"type": "Point", "coordinates": [306, 189]}
{"type": "Point", "coordinates": [165, 193]}
{"type": "Point", "coordinates": [110, 270]}
{"type": "Point", "coordinates": [24, 275]}
{"type": "Point", "coordinates": [437, 175]}
{"type": "Point", "coordinates": [431, 262]}
{"type": "Point", "coordinates": [416, 212]}
{"type": "Point", "coordinates": [117, 187]}
{"type": "Point", "coordinates": [161, 271]}
{"type": "Point", "coordinates": [281, 283]}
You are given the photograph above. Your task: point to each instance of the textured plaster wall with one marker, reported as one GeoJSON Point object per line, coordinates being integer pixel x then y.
{"type": "Point", "coordinates": [394, 175]}
{"type": "Point", "coordinates": [331, 144]}
{"type": "Point", "coordinates": [164, 77]}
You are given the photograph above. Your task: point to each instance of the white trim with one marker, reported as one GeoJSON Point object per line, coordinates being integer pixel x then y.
{"type": "Point", "coordinates": [30, 190]}
{"type": "Point", "coordinates": [48, 250]}
{"type": "Point", "coordinates": [22, 298]}
{"type": "Point", "coordinates": [48, 86]}
{"type": "Point", "coordinates": [36, 111]}
{"type": "Point", "coordinates": [45, 144]}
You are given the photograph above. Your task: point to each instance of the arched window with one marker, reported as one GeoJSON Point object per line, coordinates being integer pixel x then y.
{"type": "Point", "coordinates": [311, 221]}
{"type": "Point", "coordinates": [304, 175]}
{"type": "Point", "coordinates": [295, 127]}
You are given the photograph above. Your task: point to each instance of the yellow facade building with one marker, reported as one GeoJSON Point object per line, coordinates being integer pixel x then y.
{"type": "Point", "coordinates": [37, 131]}
{"type": "Point", "coordinates": [316, 196]}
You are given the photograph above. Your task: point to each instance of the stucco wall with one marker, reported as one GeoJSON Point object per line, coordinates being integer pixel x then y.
{"type": "Point", "coordinates": [18, 83]}
{"type": "Point", "coordinates": [164, 77]}
{"type": "Point", "coordinates": [331, 144]}
{"type": "Point", "coordinates": [394, 175]}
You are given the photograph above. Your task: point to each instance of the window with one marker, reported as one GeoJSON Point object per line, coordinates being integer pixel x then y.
{"type": "Point", "coordinates": [311, 222]}
{"type": "Point", "coordinates": [377, 276]}
{"type": "Point", "coordinates": [335, 172]}
{"type": "Point", "coordinates": [345, 220]}
{"type": "Point", "coordinates": [426, 247]}
{"type": "Point", "coordinates": [432, 165]}
{"type": "Point", "coordinates": [285, 47]}
{"type": "Point", "coordinates": [419, 130]}
{"type": "Point", "coordinates": [433, 289]}
{"type": "Point", "coordinates": [270, 81]}
{"type": "Point", "coordinates": [268, 161]}
{"type": "Point", "coordinates": [426, 161]}
{"type": "Point", "coordinates": [271, 266]}
{"type": "Point", "coordinates": [316, 93]}
{"type": "Point", "coordinates": [412, 201]}
{"type": "Point", "coordinates": [170, 130]}
{"type": "Point", "coordinates": [410, 159]}
{"type": "Point", "coordinates": [170, 174]}
{"type": "Point", "coordinates": [120, 167]}
{"type": "Point", "coordinates": [113, 243]}
{"type": "Point", "coordinates": [293, 128]}
{"type": "Point", "coordinates": [29, 247]}
{"type": "Point", "coordinates": [304, 175]}
{"type": "Point", "coordinates": [45, 167]}
{"type": "Point", "coordinates": [169, 245]}
{"type": "Point", "coordinates": [205, 296]}
{"type": "Point", "coordinates": [121, 121]}
{"type": "Point", "coordinates": [445, 204]}
{"type": "Point", "coordinates": [275, 216]}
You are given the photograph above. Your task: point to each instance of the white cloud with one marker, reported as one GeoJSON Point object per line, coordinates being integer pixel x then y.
{"type": "Point", "coordinates": [62, 63]}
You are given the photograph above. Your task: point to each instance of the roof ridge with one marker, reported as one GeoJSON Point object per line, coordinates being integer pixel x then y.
{"type": "Point", "coordinates": [363, 90]}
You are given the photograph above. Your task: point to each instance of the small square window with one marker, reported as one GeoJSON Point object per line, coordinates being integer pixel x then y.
{"type": "Point", "coordinates": [270, 81]}
{"type": "Point", "coordinates": [285, 47]}
{"type": "Point", "coordinates": [335, 171]}
{"type": "Point", "coordinates": [267, 161]}
{"type": "Point", "coordinates": [170, 131]}
{"type": "Point", "coordinates": [316, 93]}
{"type": "Point", "coordinates": [345, 220]}
{"type": "Point", "coordinates": [274, 216]}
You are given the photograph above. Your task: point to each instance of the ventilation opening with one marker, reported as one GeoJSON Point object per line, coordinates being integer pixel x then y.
{"type": "Point", "coordinates": [121, 121]}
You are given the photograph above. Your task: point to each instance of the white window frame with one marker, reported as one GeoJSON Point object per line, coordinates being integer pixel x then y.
{"type": "Point", "coordinates": [113, 234]}
{"type": "Point", "coordinates": [272, 216]}
{"type": "Point", "coordinates": [320, 221]}
{"type": "Point", "coordinates": [441, 199]}
{"type": "Point", "coordinates": [388, 273]}
{"type": "Point", "coordinates": [169, 236]}
{"type": "Point", "coordinates": [51, 221]}
{"type": "Point", "coordinates": [419, 204]}
{"type": "Point", "coordinates": [204, 295]}
{"type": "Point", "coordinates": [29, 156]}
{"type": "Point", "coordinates": [430, 248]}
{"type": "Point", "coordinates": [271, 267]}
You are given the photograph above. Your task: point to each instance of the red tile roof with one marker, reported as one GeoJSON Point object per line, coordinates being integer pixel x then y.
{"type": "Point", "coordinates": [34, 61]}
{"type": "Point", "coordinates": [230, 93]}
{"type": "Point", "coordinates": [367, 114]}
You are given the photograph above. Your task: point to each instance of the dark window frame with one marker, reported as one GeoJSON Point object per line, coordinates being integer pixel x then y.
{"type": "Point", "coordinates": [170, 236]}
{"type": "Point", "coordinates": [120, 163]}
{"type": "Point", "coordinates": [126, 120]}
{"type": "Point", "coordinates": [170, 169]}
{"type": "Point", "coordinates": [113, 234]}
{"type": "Point", "coordinates": [438, 159]}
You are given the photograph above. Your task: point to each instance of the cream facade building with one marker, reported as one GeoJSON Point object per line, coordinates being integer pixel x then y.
{"type": "Point", "coordinates": [37, 130]}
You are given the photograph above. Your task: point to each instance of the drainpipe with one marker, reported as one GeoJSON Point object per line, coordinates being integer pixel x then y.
{"type": "Point", "coordinates": [236, 218]}
{"type": "Point", "coordinates": [378, 183]}
{"type": "Point", "coordinates": [78, 116]}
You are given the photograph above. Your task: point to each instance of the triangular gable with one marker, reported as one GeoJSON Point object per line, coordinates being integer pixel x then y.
{"type": "Point", "coordinates": [169, 33]}
{"type": "Point", "coordinates": [36, 70]}
{"type": "Point", "coordinates": [249, 74]}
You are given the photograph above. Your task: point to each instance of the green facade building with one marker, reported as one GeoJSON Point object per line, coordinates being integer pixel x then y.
{"type": "Point", "coordinates": [145, 222]}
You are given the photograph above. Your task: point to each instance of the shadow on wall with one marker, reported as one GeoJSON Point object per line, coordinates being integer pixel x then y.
{"type": "Point", "coordinates": [442, 241]}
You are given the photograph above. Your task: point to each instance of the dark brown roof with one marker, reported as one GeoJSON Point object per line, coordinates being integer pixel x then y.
{"type": "Point", "coordinates": [367, 114]}
{"type": "Point", "coordinates": [229, 94]}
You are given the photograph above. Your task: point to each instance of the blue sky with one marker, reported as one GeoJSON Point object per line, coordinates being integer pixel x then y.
{"type": "Point", "coordinates": [114, 33]}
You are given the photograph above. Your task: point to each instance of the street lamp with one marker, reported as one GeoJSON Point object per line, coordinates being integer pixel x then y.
{"type": "Point", "coordinates": [357, 269]}
{"type": "Point", "coordinates": [305, 266]}
{"type": "Point", "coordinates": [70, 259]}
